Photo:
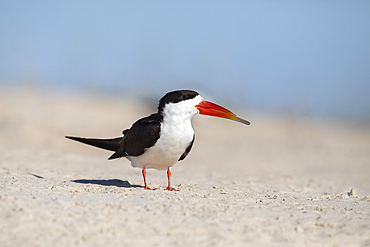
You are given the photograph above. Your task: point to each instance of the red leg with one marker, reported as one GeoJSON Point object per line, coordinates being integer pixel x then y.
{"type": "Point", "coordinates": [169, 179]}
{"type": "Point", "coordinates": [144, 176]}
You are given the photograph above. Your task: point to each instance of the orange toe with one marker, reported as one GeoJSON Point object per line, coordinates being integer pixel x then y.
{"type": "Point", "coordinates": [172, 189]}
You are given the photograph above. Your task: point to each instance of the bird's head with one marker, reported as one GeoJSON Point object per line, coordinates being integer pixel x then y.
{"type": "Point", "coordinates": [187, 103]}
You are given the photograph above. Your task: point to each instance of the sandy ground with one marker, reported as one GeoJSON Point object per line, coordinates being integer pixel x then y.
{"type": "Point", "coordinates": [282, 181]}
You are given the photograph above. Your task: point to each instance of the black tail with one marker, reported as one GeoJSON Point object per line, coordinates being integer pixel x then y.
{"type": "Point", "coordinates": [108, 144]}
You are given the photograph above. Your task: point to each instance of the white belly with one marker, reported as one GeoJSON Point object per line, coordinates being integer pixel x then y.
{"type": "Point", "coordinates": [173, 141]}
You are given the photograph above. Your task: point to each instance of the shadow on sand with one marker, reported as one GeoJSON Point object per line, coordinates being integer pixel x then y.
{"type": "Point", "coordinates": [109, 182]}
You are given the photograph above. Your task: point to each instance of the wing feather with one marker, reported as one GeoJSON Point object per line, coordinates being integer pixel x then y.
{"type": "Point", "coordinates": [143, 134]}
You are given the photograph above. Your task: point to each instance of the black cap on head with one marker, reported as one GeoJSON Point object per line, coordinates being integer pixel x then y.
{"type": "Point", "coordinates": [176, 96]}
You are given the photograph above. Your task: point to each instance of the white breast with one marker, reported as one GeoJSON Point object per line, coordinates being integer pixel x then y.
{"type": "Point", "coordinates": [176, 135]}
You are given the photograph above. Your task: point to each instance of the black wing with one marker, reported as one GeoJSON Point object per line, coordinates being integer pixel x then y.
{"type": "Point", "coordinates": [187, 151]}
{"type": "Point", "coordinates": [108, 144]}
{"type": "Point", "coordinates": [143, 134]}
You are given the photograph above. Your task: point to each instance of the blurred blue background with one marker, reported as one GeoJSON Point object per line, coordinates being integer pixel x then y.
{"type": "Point", "coordinates": [305, 57]}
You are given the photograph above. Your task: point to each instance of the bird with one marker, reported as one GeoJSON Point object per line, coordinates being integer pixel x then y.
{"type": "Point", "coordinates": [160, 140]}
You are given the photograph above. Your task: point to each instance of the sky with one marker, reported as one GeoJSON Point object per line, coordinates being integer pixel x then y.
{"type": "Point", "coordinates": [305, 57]}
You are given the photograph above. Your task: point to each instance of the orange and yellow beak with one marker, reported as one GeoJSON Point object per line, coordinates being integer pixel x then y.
{"type": "Point", "coordinates": [212, 109]}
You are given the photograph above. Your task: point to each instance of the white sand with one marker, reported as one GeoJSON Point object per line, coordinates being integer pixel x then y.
{"type": "Point", "coordinates": [282, 181]}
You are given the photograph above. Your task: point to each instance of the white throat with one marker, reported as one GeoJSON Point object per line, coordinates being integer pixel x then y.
{"type": "Point", "coordinates": [181, 112]}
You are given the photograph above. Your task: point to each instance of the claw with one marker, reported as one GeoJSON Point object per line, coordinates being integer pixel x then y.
{"type": "Point", "coordinates": [171, 189]}
{"type": "Point", "coordinates": [147, 187]}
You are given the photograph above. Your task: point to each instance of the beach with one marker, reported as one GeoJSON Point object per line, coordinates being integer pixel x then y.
{"type": "Point", "coordinates": [285, 180]}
